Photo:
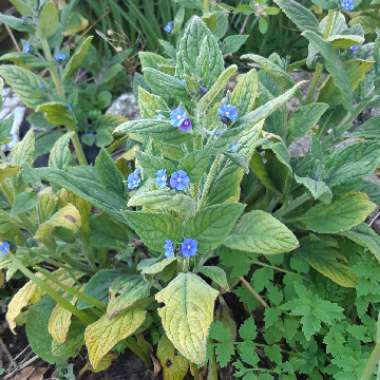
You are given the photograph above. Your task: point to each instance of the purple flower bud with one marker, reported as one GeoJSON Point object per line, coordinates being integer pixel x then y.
{"type": "Point", "coordinates": [186, 125]}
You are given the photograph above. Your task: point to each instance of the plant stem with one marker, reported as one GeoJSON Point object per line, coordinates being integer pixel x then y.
{"type": "Point", "coordinates": [82, 316]}
{"type": "Point", "coordinates": [78, 149]}
{"type": "Point", "coordinates": [278, 269]}
{"type": "Point", "coordinates": [288, 207]}
{"type": "Point", "coordinates": [319, 67]}
{"type": "Point", "coordinates": [248, 286]}
{"type": "Point", "coordinates": [373, 360]}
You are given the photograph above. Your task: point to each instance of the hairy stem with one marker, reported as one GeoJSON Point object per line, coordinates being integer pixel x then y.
{"type": "Point", "coordinates": [248, 286]}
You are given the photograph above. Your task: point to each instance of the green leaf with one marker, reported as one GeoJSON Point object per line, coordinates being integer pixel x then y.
{"type": "Point", "coordinates": [325, 258]}
{"type": "Point", "coordinates": [216, 274]}
{"type": "Point", "coordinates": [154, 228]}
{"type": "Point", "coordinates": [102, 335]}
{"type": "Point", "coordinates": [318, 189]}
{"type": "Point", "coordinates": [16, 23]}
{"type": "Point", "coordinates": [260, 232]}
{"type": "Point", "coordinates": [233, 43]}
{"type": "Point", "coordinates": [174, 366]}
{"type": "Point", "coordinates": [369, 129]}
{"type": "Point", "coordinates": [300, 15]}
{"type": "Point", "coordinates": [77, 59]}
{"type": "Point", "coordinates": [212, 225]}
{"type": "Point", "coordinates": [151, 105]}
{"type": "Point", "coordinates": [23, 152]}
{"type": "Point", "coordinates": [187, 315]}
{"type": "Point", "coordinates": [343, 213]}
{"type": "Point", "coordinates": [198, 52]}
{"type": "Point", "coordinates": [30, 88]}
{"type": "Point", "coordinates": [195, 164]}
{"type": "Point", "coordinates": [98, 286]}
{"type": "Point", "coordinates": [366, 237]}
{"type": "Point", "coordinates": [154, 266]}
{"type": "Point", "coordinates": [333, 65]}
{"type": "Point", "coordinates": [22, 7]}
{"type": "Point", "coordinates": [248, 330]}
{"type": "Point", "coordinates": [164, 84]}
{"type": "Point", "coordinates": [60, 155]}
{"type": "Point", "coordinates": [48, 20]}
{"type": "Point", "coordinates": [23, 59]}
{"type": "Point", "coordinates": [57, 114]}
{"type": "Point", "coordinates": [151, 164]}
{"type": "Point", "coordinates": [125, 292]}
{"type": "Point", "coordinates": [24, 202]}
{"type": "Point", "coordinates": [108, 173]}
{"type": "Point", "coordinates": [245, 92]}
{"type": "Point", "coordinates": [304, 119]}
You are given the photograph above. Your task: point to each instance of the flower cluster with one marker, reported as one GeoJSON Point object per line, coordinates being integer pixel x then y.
{"type": "Point", "coordinates": [188, 248]}
{"type": "Point", "coordinates": [348, 5]}
{"type": "Point", "coordinates": [4, 248]}
{"type": "Point", "coordinates": [179, 119]}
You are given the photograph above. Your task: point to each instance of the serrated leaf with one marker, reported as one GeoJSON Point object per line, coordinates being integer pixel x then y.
{"type": "Point", "coordinates": [67, 217]}
{"type": "Point", "coordinates": [343, 213]}
{"type": "Point", "coordinates": [216, 274]}
{"type": "Point", "coordinates": [108, 173]}
{"type": "Point", "coordinates": [151, 105]}
{"type": "Point", "coordinates": [248, 330]}
{"type": "Point", "coordinates": [244, 95]}
{"type": "Point", "coordinates": [125, 292]}
{"type": "Point", "coordinates": [325, 259]}
{"type": "Point", "coordinates": [23, 152]}
{"type": "Point", "coordinates": [196, 37]}
{"type": "Point", "coordinates": [57, 114]}
{"type": "Point", "coordinates": [212, 225]}
{"type": "Point", "coordinates": [154, 228]}
{"type": "Point", "coordinates": [260, 232]}
{"type": "Point", "coordinates": [77, 58]}
{"type": "Point", "coordinates": [304, 119]}
{"type": "Point", "coordinates": [174, 365]}
{"type": "Point", "coordinates": [48, 21]}
{"type": "Point", "coordinates": [59, 323]}
{"type": "Point", "coordinates": [102, 335]}
{"type": "Point", "coordinates": [27, 85]}
{"type": "Point", "coordinates": [300, 15]}
{"type": "Point", "coordinates": [187, 315]}
{"type": "Point", "coordinates": [60, 155]}
{"type": "Point", "coordinates": [29, 294]}
{"type": "Point", "coordinates": [333, 65]}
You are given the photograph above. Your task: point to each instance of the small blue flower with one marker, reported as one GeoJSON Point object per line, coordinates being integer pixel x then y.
{"type": "Point", "coordinates": [161, 178]}
{"type": "Point", "coordinates": [27, 48]}
{"type": "Point", "coordinates": [134, 179]}
{"type": "Point", "coordinates": [228, 113]}
{"type": "Point", "coordinates": [179, 180]}
{"type": "Point", "coordinates": [60, 57]}
{"type": "Point", "coordinates": [177, 116]}
{"type": "Point", "coordinates": [168, 28]}
{"type": "Point", "coordinates": [348, 5]}
{"type": "Point", "coordinates": [355, 49]}
{"type": "Point", "coordinates": [189, 247]}
{"type": "Point", "coordinates": [168, 248]}
{"type": "Point", "coordinates": [203, 90]}
{"type": "Point", "coordinates": [4, 248]}
{"type": "Point", "coordinates": [233, 147]}
{"type": "Point", "coordinates": [186, 125]}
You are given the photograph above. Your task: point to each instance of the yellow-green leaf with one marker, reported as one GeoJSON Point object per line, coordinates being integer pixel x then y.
{"type": "Point", "coordinates": [174, 365]}
{"type": "Point", "coordinates": [188, 314]}
{"type": "Point", "coordinates": [59, 323]}
{"type": "Point", "coordinates": [78, 57]}
{"type": "Point", "coordinates": [245, 92]}
{"type": "Point", "coordinates": [48, 21]}
{"type": "Point", "coordinates": [57, 114]}
{"type": "Point", "coordinates": [102, 335]}
{"type": "Point", "coordinates": [29, 294]}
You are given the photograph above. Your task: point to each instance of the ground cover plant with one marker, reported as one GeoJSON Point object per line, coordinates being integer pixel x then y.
{"type": "Point", "coordinates": [199, 239]}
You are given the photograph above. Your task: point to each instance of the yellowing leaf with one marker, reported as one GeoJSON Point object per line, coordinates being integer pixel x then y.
{"type": "Point", "coordinates": [67, 217]}
{"type": "Point", "coordinates": [188, 314]}
{"type": "Point", "coordinates": [8, 170]}
{"type": "Point", "coordinates": [174, 366]}
{"type": "Point", "coordinates": [57, 113]}
{"type": "Point", "coordinates": [59, 323]}
{"type": "Point", "coordinates": [102, 335]}
{"type": "Point", "coordinates": [29, 294]}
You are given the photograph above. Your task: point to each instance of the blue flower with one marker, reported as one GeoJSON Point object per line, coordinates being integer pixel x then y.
{"type": "Point", "coordinates": [60, 57]}
{"type": "Point", "coordinates": [348, 5]}
{"type": "Point", "coordinates": [228, 113]}
{"type": "Point", "coordinates": [179, 180]}
{"type": "Point", "coordinates": [134, 179]}
{"type": "Point", "coordinates": [4, 248]}
{"type": "Point", "coordinates": [186, 125]}
{"type": "Point", "coordinates": [355, 49]}
{"type": "Point", "coordinates": [168, 248]}
{"type": "Point", "coordinates": [189, 247]}
{"type": "Point", "coordinates": [27, 48]}
{"type": "Point", "coordinates": [203, 90]}
{"type": "Point", "coordinates": [177, 116]}
{"type": "Point", "coordinates": [161, 178]}
{"type": "Point", "coordinates": [168, 28]}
